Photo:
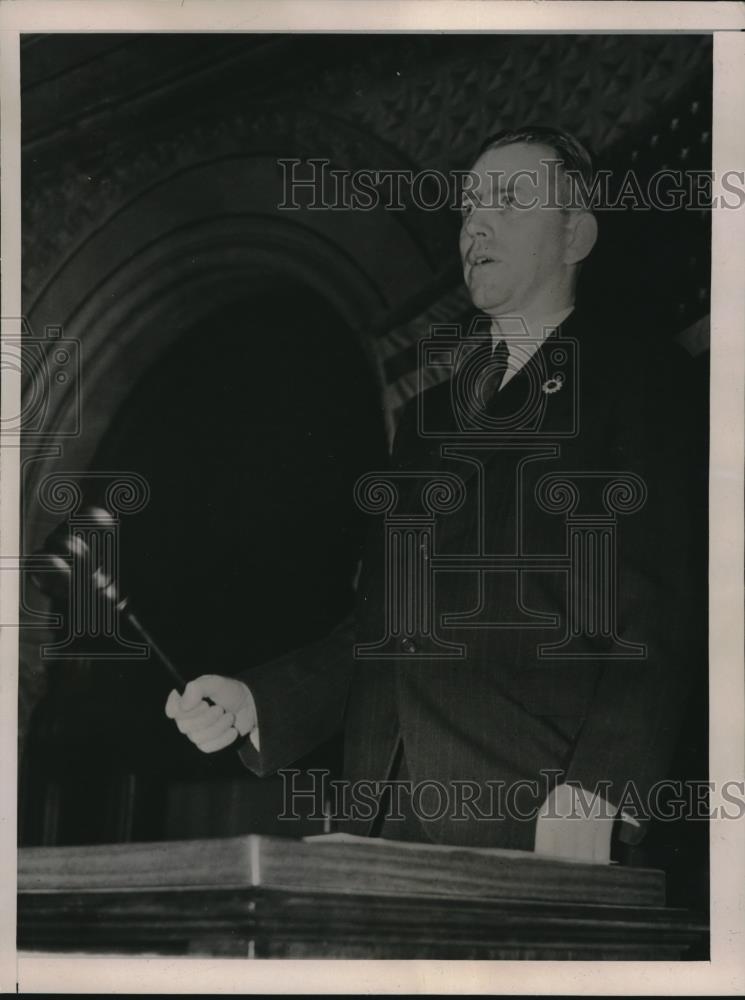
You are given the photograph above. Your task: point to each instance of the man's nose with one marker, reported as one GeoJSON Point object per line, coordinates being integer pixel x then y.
{"type": "Point", "coordinates": [477, 224]}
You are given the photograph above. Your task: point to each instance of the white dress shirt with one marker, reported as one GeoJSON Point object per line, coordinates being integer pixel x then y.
{"type": "Point", "coordinates": [523, 336]}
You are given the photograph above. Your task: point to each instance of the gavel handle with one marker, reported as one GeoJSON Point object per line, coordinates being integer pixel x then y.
{"type": "Point", "coordinates": [145, 635]}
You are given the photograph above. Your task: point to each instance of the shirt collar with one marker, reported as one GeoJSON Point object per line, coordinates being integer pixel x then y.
{"type": "Point", "coordinates": [523, 336]}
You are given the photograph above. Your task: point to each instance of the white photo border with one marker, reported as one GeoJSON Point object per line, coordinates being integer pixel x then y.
{"type": "Point", "coordinates": [724, 974]}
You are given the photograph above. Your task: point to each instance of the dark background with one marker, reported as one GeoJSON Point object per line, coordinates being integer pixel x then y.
{"type": "Point", "coordinates": [249, 364]}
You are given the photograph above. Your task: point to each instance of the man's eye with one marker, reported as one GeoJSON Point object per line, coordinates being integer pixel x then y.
{"type": "Point", "coordinates": [466, 209]}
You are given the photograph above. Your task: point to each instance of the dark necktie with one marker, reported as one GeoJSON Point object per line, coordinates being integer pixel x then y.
{"type": "Point", "coordinates": [496, 372]}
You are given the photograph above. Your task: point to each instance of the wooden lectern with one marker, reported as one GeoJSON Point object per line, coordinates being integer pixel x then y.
{"type": "Point", "coordinates": [343, 897]}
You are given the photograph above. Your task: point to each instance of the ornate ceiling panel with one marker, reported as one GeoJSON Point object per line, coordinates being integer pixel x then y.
{"type": "Point", "coordinates": [436, 98]}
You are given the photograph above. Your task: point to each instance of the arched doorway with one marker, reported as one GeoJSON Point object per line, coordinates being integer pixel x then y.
{"type": "Point", "coordinates": [250, 431]}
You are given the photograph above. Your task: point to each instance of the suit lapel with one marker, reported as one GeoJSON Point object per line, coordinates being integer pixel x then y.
{"type": "Point", "coordinates": [537, 404]}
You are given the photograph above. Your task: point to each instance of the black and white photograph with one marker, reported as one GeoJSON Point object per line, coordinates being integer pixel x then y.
{"type": "Point", "coordinates": [365, 467]}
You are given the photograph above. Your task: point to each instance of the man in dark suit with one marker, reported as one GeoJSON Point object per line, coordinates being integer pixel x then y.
{"type": "Point", "coordinates": [550, 647]}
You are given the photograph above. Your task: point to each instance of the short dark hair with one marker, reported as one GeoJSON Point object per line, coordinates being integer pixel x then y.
{"type": "Point", "coordinates": [575, 159]}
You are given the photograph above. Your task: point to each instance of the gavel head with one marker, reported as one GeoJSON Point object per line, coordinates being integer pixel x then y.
{"type": "Point", "coordinates": [66, 553]}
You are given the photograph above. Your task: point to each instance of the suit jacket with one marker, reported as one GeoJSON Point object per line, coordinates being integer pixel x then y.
{"type": "Point", "coordinates": [505, 712]}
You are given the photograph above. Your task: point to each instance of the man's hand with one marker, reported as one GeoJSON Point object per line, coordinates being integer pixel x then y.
{"type": "Point", "coordinates": [574, 826]}
{"type": "Point", "coordinates": [212, 727]}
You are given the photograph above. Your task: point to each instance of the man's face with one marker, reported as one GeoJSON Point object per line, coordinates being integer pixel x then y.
{"type": "Point", "coordinates": [514, 257]}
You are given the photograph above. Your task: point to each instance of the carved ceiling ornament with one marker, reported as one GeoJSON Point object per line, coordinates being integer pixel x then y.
{"type": "Point", "coordinates": [415, 101]}
{"type": "Point", "coordinates": [61, 210]}
{"type": "Point", "coordinates": [435, 99]}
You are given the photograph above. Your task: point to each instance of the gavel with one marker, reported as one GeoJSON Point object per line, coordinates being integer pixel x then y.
{"type": "Point", "coordinates": [56, 558]}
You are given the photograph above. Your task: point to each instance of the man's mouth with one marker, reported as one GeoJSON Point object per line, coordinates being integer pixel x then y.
{"type": "Point", "coordinates": [479, 259]}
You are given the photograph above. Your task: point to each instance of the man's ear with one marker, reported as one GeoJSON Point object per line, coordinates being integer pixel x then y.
{"type": "Point", "coordinates": [583, 234]}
